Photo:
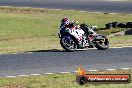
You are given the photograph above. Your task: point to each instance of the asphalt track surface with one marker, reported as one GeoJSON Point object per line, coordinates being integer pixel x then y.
{"type": "Point", "coordinates": [86, 5]}
{"type": "Point", "coordinates": [55, 61]}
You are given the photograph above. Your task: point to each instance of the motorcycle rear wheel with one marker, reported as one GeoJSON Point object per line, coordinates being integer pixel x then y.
{"type": "Point", "coordinates": [102, 44]}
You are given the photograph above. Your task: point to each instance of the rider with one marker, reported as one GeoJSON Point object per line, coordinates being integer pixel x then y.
{"type": "Point", "coordinates": [73, 28]}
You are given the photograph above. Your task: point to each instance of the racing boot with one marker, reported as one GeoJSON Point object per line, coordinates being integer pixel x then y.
{"type": "Point", "coordinates": [80, 44]}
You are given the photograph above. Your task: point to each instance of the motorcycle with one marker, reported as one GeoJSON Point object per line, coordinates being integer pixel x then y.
{"type": "Point", "coordinates": [76, 37]}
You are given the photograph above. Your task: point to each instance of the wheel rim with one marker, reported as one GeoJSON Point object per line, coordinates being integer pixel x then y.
{"type": "Point", "coordinates": [104, 41]}
{"type": "Point", "coordinates": [69, 43]}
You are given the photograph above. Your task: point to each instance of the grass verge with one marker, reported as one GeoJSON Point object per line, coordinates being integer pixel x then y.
{"type": "Point", "coordinates": [120, 41]}
{"type": "Point", "coordinates": [59, 81]}
{"type": "Point", "coordinates": [30, 29]}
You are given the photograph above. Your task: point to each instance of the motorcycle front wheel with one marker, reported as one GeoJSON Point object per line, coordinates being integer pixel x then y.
{"type": "Point", "coordinates": [68, 43]}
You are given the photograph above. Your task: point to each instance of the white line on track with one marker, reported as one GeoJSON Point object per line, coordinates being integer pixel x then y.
{"type": "Point", "coordinates": [116, 47]}
{"type": "Point", "coordinates": [125, 68]}
{"type": "Point", "coordinates": [110, 69]}
{"type": "Point", "coordinates": [96, 12]}
{"type": "Point", "coordinates": [64, 72]}
{"type": "Point", "coordinates": [127, 46]}
{"type": "Point", "coordinates": [35, 74]}
{"type": "Point", "coordinates": [14, 53]}
{"type": "Point", "coordinates": [23, 75]}
{"type": "Point", "coordinates": [48, 73]}
{"type": "Point", "coordinates": [56, 9]}
{"type": "Point", "coordinates": [92, 70]}
{"type": "Point", "coordinates": [122, 47]}
{"type": "Point", "coordinates": [112, 13]}
{"type": "Point", "coordinates": [10, 76]}
{"type": "Point", "coordinates": [74, 71]}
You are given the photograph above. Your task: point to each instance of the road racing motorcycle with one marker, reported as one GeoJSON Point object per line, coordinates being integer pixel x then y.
{"type": "Point", "coordinates": [74, 37]}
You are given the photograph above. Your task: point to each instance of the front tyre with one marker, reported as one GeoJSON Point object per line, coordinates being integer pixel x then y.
{"type": "Point", "coordinates": [102, 43]}
{"type": "Point", "coordinates": [68, 43]}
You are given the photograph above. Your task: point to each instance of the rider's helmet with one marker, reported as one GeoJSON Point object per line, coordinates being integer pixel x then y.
{"type": "Point", "coordinates": [65, 21]}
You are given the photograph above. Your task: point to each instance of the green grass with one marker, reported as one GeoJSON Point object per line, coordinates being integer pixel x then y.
{"type": "Point", "coordinates": [59, 81]}
{"type": "Point", "coordinates": [27, 29]}
{"type": "Point", "coordinates": [119, 41]}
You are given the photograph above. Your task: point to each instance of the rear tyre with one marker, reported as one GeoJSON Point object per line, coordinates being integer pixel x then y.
{"type": "Point", "coordinates": [68, 43]}
{"type": "Point", "coordinates": [102, 44]}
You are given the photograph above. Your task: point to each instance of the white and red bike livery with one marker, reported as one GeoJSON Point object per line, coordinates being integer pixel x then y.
{"type": "Point", "coordinates": [73, 37]}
